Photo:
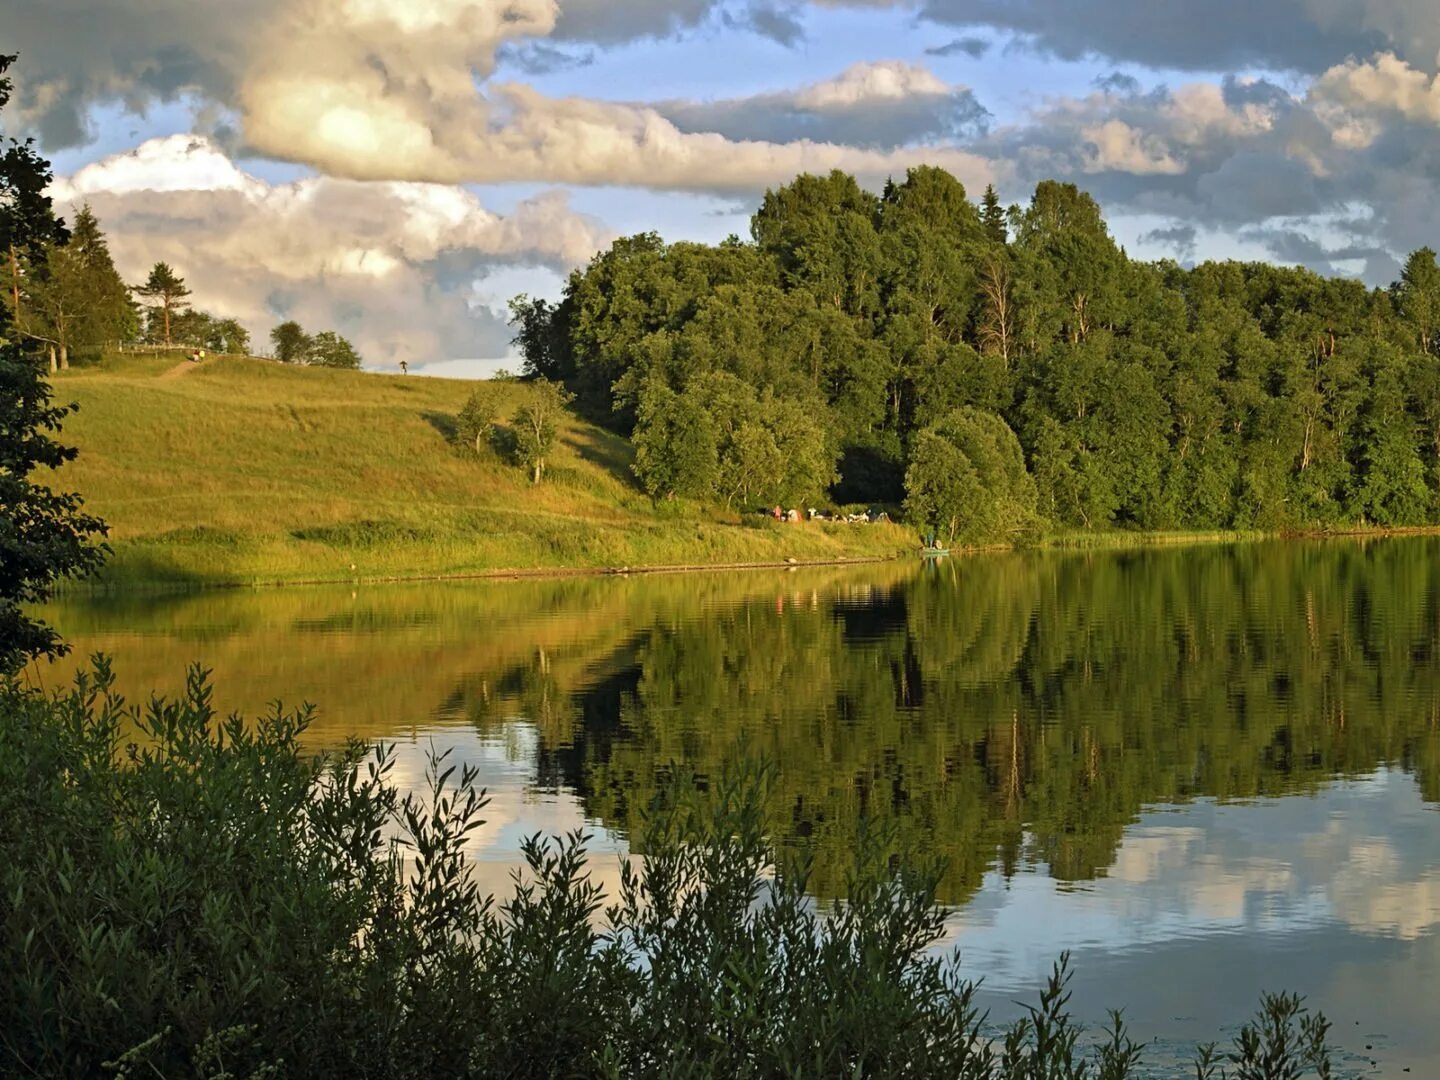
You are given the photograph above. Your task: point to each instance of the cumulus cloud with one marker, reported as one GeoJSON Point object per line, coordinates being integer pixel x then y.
{"type": "Point", "coordinates": [881, 105]}
{"type": "Point", "coordinates": [372, 89]}
{"type": "Point", "coordinates": [1384, 85]}
{"type": "Point", "coordinates": [390, 92]}
{"type": "Point", "coordinates": [392, 265]}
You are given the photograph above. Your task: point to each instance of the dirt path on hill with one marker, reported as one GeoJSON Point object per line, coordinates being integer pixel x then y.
{"type": "Point", "coordinates": [182, 368]}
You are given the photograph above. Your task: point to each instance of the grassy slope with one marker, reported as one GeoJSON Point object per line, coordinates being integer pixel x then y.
{"type": "Point", "coordinates": [247, 471]}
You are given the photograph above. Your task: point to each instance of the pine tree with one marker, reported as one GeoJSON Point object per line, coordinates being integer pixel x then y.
{"type": "Point", "coordinates": [109, 313]}
{"type": "Point", "coordinates": [27, 219]}
{"type": "Point", "coordinates": [992, 216]}
{"type": "Point", "coordinates": [169, 289]}
{"type": "Point", "coordinates": [44, 536]}
{"type": "Point", "coordinates": [73, 294]}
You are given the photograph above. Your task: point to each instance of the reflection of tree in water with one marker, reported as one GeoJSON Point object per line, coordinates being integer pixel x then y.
{"type": "Point", "coordinates": [1021, 708]}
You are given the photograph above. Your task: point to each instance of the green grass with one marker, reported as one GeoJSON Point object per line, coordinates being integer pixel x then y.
{"type": "Point", "coordinates": [248, 472]}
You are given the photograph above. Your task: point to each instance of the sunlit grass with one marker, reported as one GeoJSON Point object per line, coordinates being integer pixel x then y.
{"type": "Point", "coordinates": [246, 471]}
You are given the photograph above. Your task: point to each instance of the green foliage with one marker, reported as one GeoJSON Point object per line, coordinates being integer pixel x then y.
{"type": "Point", "coordinates": [206, 331]}
{"type": "Point", "coordinates": [967, 481]}
{"type": "Point", "coordinates": [168, 293]}
{"type": "Point", "coordinates": [44, 535]}
{"type": "Point", "coordinates": [676, 452]}
{"type": "Point", "coordinates": [72, 295]}
{"type": "Point", "coordinates": [27, 217]}
{"type": "Point", "coordinates": [329, 349]}
{"type": "Point", "coordinates": [290, 342]}
{"type": "Point", "coordinates": [536, 425]}
{"type": "Point", "coordinates": [1144, 396]}
{"type": "Point", "coordinates": [722, 441]}
{"type": "Point", "coordinates": [475, 423]}
{"type": "Point", "coordinates": [195, 896]}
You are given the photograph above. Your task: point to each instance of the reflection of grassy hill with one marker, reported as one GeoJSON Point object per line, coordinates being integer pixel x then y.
{"type": "Point", "coordinates": [244, 470]}
{"type": "Point", "coordinates": [381, 661]}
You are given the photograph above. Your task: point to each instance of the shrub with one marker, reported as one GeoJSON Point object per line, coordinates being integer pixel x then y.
{"type": "Point", "coordinates": [190, 896]}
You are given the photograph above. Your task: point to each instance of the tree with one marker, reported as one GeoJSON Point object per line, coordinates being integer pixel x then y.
{"type": "Point", "coordinates": [291, 342]}
{"type": "Point", "coordinates": [967, 480]}
{"type": "Point", "coordinates": [476, 420]}
{"type": "Point", "coordinates": [992, 217]}
{"type": "Point", "coordinates": [44, 536]}
{"type": "Point", "coordinates": [228, 336]}
{"type": "Point", "coordinates": [537, 423]}
{"type": "Point", "coordinates": [169, 290]}
{"type": "Point", "coordinates": [1418, 297]}
{"type": "Point", "coordinates": [997, 319]}
{"type": "Point", "coordinates": [329, 349]}
{"type": "Point", "coordinates": [534, 323]}
{"type": "Point", "coordinates": [27, 217]}
{"type": "Point", "coordinates": [73, 294]}
{"type": "Point", "coordinates": [675, 448]}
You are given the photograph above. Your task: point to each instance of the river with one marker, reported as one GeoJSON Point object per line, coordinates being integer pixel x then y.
{"type": "Point", "coordinates": [1204, 771]}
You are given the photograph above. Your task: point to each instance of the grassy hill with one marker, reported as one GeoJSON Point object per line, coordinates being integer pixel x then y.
{"type": "Point", "coordinates": [248, 471]}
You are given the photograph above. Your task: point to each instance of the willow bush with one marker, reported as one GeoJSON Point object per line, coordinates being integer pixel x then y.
{"type": "Point", "coordinates": [185, 895]}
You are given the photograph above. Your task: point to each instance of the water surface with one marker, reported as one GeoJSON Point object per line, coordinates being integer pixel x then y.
{"type": "Point", "coordinates": [1205, 771]}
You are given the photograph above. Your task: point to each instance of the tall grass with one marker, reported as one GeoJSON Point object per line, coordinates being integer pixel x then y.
{"type": "Point", "coordinates": [205, 900]}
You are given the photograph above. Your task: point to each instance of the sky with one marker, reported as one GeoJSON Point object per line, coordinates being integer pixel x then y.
{"type": "Point", "coordinates": [397, 170]}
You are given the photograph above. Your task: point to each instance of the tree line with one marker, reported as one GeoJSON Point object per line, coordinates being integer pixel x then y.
{"type": "Point", "coordinates": [64, 294]}
{"type": "Point", "coordinates": [914, 346]}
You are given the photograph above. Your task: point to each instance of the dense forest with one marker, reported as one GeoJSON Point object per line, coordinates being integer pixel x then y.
{"type": "Point", "coordinates": [1000, 370]}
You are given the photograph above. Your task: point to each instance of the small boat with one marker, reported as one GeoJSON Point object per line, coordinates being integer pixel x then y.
{"type": "Point", "coordinates": [934, 552]}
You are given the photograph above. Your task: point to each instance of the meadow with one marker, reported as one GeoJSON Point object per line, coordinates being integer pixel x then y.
{"type": "Point", "coordinates": [245, 472]}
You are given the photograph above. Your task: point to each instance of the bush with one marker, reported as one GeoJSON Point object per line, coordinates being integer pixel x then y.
{"type": "Point", "coordinates": [200, 898]}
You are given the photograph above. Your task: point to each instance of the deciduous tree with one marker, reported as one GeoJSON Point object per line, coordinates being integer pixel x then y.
{"type": "Point", "coordinates": [537, 424]}
{"type": "Point", "coordinates": [329, 349]}
{"type": "Point", "coordinates": [290, 341]}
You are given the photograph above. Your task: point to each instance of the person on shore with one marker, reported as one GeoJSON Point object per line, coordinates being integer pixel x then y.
{"type": "Point", "coordinates": [404, 367]}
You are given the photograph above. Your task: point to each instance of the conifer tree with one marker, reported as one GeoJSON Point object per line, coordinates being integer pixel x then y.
{"type": "Point", "coordinates": [992, 216]}
{"type": "Point", "coordinates": [169, 292]}
{"type": "Point", "coordinates": [44, 536]}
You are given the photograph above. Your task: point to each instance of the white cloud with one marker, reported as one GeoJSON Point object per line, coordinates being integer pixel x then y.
{"type": "Point", "coordinates": [1117, 147]}
{"type": "Point", "coordinates": [393, 265]}
{"type": "Point", "coordinates": [1383, 85]}
{"type": "Point", "coordinates": [865, 83]}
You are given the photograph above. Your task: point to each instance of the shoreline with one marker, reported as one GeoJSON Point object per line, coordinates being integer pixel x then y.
{"type": "Point", "coordinates": [1070, 542]}
{"type": "Point", "coordinates": [539, 573]}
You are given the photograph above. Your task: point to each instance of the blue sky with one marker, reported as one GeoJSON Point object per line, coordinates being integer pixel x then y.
{"type": "Point", "coordinates": [396, 169]}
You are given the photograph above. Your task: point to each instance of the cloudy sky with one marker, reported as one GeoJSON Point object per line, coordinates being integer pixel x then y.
{"type": "Point", "coordinates": [397, 169]}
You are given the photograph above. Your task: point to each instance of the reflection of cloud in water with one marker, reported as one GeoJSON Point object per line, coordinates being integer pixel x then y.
{"type": "Point", "coordinates": [1262, 892]}
{"type": "Point", "coordinates": [1362, 857]}
{"type": "Point", "coordinates": [1207, 905]}
{"type": "Point", "coordinates": [505, 767]}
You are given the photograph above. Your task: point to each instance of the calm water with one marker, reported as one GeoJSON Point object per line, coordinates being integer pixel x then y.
{"type": "Point", "coordinates": [1204, 771]}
